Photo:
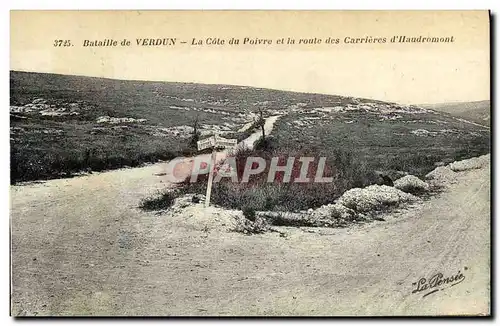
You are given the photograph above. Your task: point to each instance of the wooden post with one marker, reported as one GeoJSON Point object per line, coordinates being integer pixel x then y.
{"type": "Point", "coordinates": [214, 142]}
{"type": "Point", "coordinates": [210, 177]}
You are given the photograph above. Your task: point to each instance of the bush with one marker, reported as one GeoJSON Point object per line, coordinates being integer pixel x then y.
{"type": "Point", "coordinates": [265, 144]}
{"type": "Point", "coordinates": [249, 214]}
{"type": "Point", "coordinates": [285, 219]}
{"type": "Point", "coordinates": [260, 195]}
{"type": "Point", "coordinates": [32, 164]}
{"type": "Point", "coordinates": [155, 203]}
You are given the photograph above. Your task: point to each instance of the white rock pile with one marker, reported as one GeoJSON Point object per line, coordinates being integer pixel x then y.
{"type": "Point", "coordinates": [445, 175]}
{"type": "Point", "coordinates": [441, 175]}
{"type": "Point", "coordinates": [113, 120]}
{"type": "Point", "coordinates": [354, 204]}
{"type": "Point", "coordinates": [374, 197]}
{"type": "Point", "coordinates": [470, 164]}
{"type": "Point", "coordinates": [332, 215]}
{"type": "Point", "coordinates": [336, 211]}
{"type": "Point", "coordinates": [194, 215]}
{"type": "Point", "coordinates": [411, 184]}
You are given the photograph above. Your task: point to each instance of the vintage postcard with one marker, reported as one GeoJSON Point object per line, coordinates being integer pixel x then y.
{"type": "Point", "coordinates": [250, 163]}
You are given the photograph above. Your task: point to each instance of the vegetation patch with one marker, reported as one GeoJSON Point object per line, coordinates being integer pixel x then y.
{"type": "Point", "coordinates": [159, 202]}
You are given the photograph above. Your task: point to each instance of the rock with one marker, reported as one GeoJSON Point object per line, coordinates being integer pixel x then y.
{"type": "Point", "coordinates": [374, 197]}
{"type": "Point", "coordinates": [38, 101]}
{"type": "Point", "coordinates": [194, 215]}
{"type": "Point", "coordinates": [411, 184]}
{"type": "Point", "coordinates": [440, 174]}
{"type": "Point", "coordinates": [333, 212]}
{"type": "Point", "coordinates": [446, 175]}
{"type": "Point", "coordinates": [423, 132]}
{"type": "Point", "coordinates": [470, 164]}
{"type": "Point", "coordinates": [113, 120]}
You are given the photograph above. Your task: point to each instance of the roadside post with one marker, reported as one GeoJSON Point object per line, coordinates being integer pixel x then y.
{"type": "Point", "coordinates": [213, 142]}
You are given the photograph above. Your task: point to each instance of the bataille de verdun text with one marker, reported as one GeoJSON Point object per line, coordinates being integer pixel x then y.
{"type": "Point", "coordinates": [172, 41]}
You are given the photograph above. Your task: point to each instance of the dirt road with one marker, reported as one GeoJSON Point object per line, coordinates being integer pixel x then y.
{"type": "Point", "coordinates": [268, 127]}
{"type": "Point", "coordinates": [80, 246]}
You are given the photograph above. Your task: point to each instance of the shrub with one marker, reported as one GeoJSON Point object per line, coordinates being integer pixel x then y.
{"type": "Point", "coordinates": [161, 202]}
{"type": "Point", "coordinates": [289, 219]}
{"type": "Point", "coordinates": [260, 195]}
{"type": "Point", "coordinates": [249, 213]}
{"type": "Point", "coordinates": [32, 164]}
{"type": "Point", "coordinates": [265, 144]}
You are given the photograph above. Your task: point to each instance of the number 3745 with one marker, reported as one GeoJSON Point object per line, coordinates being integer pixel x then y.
{"type": "Point", "coordinates": [58, 43]}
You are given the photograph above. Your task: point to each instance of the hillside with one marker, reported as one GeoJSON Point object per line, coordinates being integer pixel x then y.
{"type": "Point", "coordinates": [364, 143]}
{"type": "Point", "coordinates": [62, 125]}
{"type": "Point", "coordinates": [384, 136]}
{"type": "Point", "coordinates": [478, 111]}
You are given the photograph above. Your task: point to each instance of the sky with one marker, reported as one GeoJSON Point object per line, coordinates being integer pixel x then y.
{"type": "Point", "coordinates": [404, 73]}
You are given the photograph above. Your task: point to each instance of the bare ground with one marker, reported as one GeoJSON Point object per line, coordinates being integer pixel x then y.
{"type": "Point", "coordinates": [82, 247]}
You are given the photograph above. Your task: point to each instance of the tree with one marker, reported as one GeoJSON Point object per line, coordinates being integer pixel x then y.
{"type": "Point", "coordinates": [261, 122]}
{"type": "Point", "coordinates": [195, 136]}
{"type": "Point", "coordinates": [262, 143]}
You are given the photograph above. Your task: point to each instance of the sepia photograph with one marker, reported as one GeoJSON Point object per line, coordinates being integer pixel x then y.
{"type": "Point", "coordinates": [186, 163]}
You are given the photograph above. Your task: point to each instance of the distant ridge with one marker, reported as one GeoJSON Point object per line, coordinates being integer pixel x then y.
{"type": "Point", "coordinates": [44, 76]}
{"type": "Point", "coordinates": [475, 111]}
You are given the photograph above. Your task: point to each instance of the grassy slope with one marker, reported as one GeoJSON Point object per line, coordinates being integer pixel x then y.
{"type": "Point", "coordinates": [478, 111]}
{"type": "Point", "coordinates": [386, 145]}
{"type": "Point", "coordinates": [77, 146]}
{"type": "Point", "coordinates": [357, 144]}
{"type": "Point", "coordinates": [151, 100]}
